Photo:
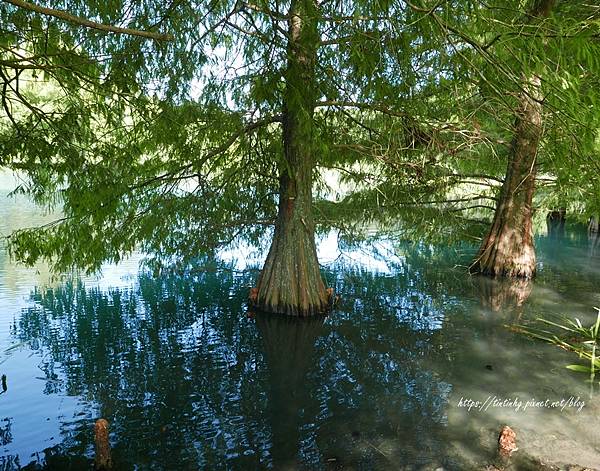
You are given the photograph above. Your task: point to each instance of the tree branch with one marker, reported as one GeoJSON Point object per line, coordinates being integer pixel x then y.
{"type": "Point", "coordinates": [63, 15]}
{"type": "Point", "coordinates": [360, 106]}
{"type": "Point", "coordinates": [212, 153]}
{"type": "Point", "coordinates": [272, 13]}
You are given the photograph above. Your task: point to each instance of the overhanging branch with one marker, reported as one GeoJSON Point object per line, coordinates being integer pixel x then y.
{"type": "Point", "coordinates": [217, 151]}
{"type": "Point", "coordinates": [63, 15]}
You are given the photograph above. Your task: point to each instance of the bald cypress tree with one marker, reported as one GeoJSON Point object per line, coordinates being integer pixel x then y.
{"type": "Point", "coordinates": [290, 281]}
{"type": "Point", "coordinates": [508, 248]}
{"type": "Point", "coordinates": [177, 130]}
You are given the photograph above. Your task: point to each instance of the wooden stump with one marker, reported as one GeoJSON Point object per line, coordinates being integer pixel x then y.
{"type": "Point", "coordinates": [253, 296]}
{"type": "Point", "coordinates": [103, 460]}
{"type": "Point", "coordinates": [507, 441]}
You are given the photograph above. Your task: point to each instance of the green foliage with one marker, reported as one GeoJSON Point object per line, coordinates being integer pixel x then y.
{"type": "Point", "coordinates": [570, 335]}
{"type": "Point", "coordinates": [174, 147]}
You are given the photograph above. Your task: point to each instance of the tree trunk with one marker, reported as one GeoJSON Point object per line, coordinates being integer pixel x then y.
{"type": "Point", "coordinates": [290, 281]}
{"type": "Point", "coordinates": [555, 223]}
{"type": "Point", "coordinates": [594, 224]}
{"type": "Point", "coordinates": [508, 248]}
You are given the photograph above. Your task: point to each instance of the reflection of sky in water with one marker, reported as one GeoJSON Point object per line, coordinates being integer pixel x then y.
{"type": "Point", "coordinates": [376, 256]}
{"type": "Point", "coordinates": [54, 413]}
{"type": "Point", "coordinates": [380, 382]}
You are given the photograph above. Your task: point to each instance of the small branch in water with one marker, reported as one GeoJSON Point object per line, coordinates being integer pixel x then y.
{"type": "Point", "coordinates": [376, 449]}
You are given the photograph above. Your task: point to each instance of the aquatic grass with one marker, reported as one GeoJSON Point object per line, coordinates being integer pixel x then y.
{"type": "Point", "coordinates": [569, 334]}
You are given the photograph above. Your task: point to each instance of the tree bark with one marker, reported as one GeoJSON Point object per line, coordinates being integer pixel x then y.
{"type": "Point", "coordinates": [508, 249]}
{"type": "Point", "coordinates": [290, 281]}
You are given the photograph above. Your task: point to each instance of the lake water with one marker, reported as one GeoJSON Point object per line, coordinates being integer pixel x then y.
{"type": "Point", "coordinates": [189, 379]}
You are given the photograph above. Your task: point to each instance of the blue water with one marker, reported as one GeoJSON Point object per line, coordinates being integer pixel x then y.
{"type": "Point", "coordinates": [188, 378]}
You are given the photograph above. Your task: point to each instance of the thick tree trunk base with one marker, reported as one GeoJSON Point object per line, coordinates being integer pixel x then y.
{"type": "Point", "coordinates": [290, 310]}
{"type": "Point", "coordinates": [318, 309]}
{"type": "Point", "coordinates": [506, 258]}
{"type": "Point", "coordinates": [525, 272]}
{"type": "Point", "coordinates": [290, 282]}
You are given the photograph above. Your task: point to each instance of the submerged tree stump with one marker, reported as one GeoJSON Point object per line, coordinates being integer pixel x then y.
{"type": "Point", "coordinates": [507, 442]}
{"type": "Point", "coordinates": [102, 460]}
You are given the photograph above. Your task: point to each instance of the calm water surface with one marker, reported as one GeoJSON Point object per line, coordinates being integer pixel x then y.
{"type": "Point", "coordinates": [189, 379]}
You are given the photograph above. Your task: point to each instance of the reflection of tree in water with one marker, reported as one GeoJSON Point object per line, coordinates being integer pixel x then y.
{"type": "Point", "coordinates": [289, 345]}
{"type": "Point", "coordinates": [503, 294]}
{"type": "Point", "coordinates": [172, 365]}
{"type": "Point", "coordinates": [186, 380]}
{"type": "Point", "coordinates": [447, 284]}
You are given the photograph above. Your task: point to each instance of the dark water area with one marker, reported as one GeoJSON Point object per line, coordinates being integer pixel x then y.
{"type": "Point", "coordinates": [188, 378]}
